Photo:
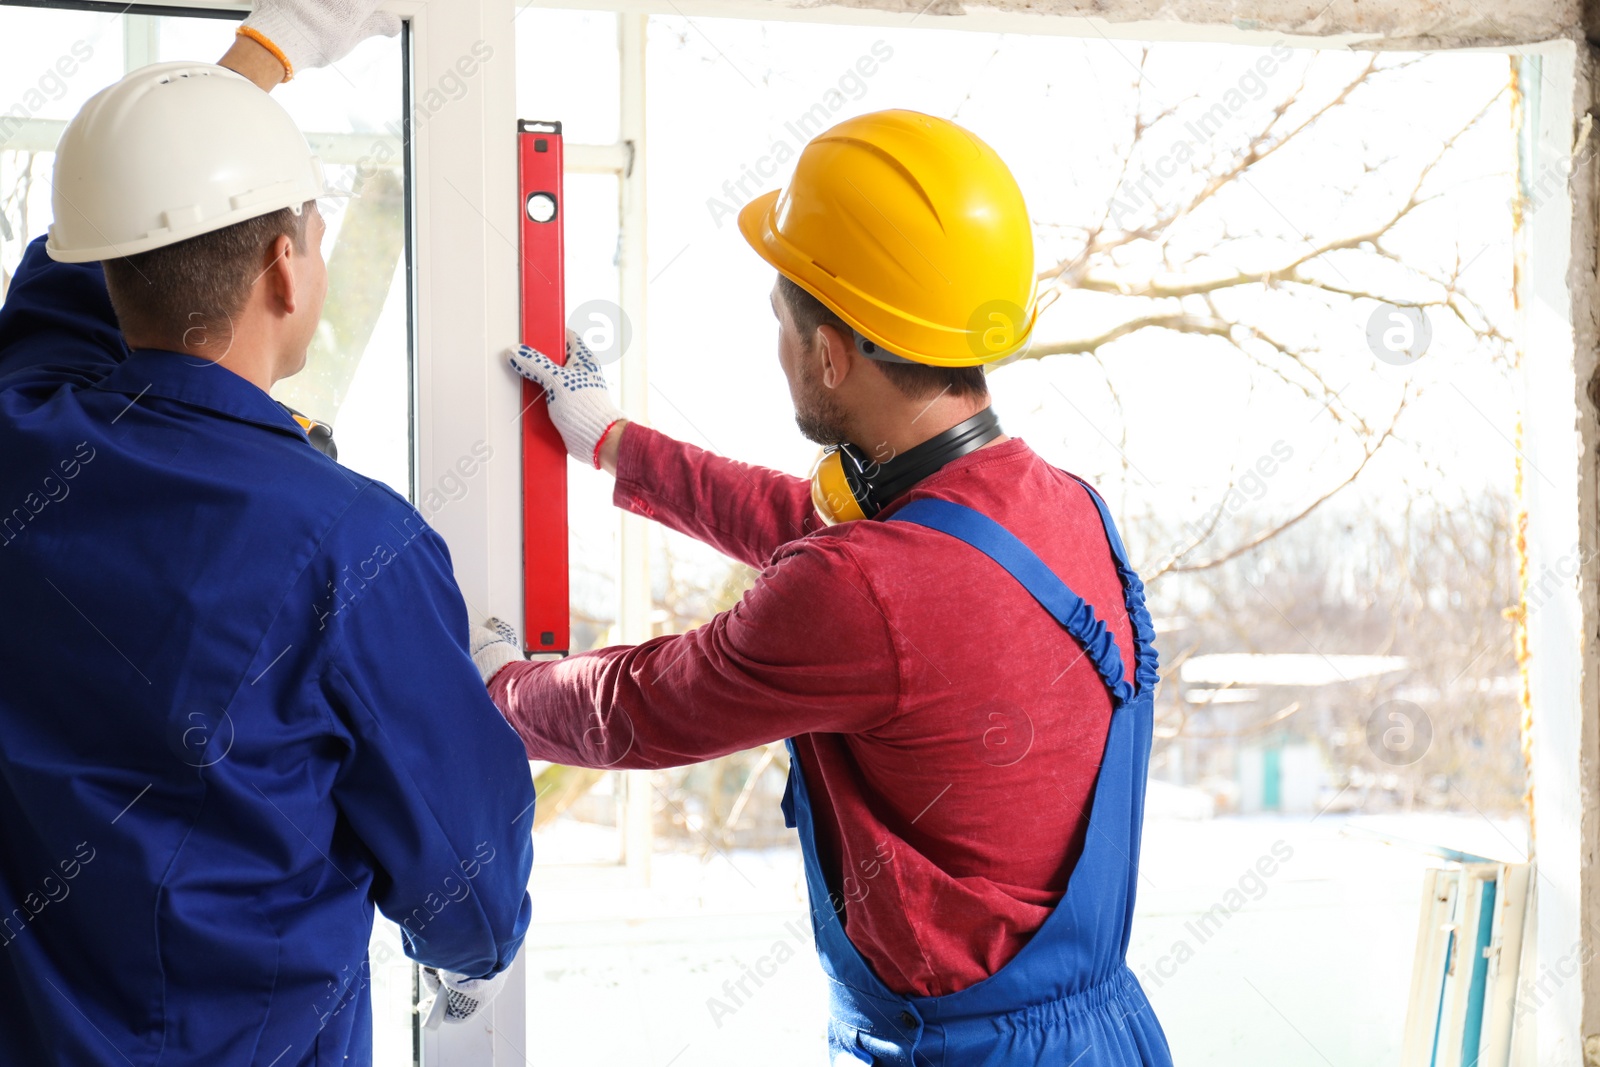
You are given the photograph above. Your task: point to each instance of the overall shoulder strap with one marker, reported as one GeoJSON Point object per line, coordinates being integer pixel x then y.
{"type": "Point", "coordinates": [1074, 613]}
{"type": "Point", "coordinates": [1147, 673]}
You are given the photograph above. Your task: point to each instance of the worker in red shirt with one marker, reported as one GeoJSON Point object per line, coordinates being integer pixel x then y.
{"type": "Point", "coordinates": [946, 628]}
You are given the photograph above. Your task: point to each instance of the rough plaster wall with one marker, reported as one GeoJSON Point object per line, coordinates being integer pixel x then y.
{"type": "Point", "coordinates": [1558, 332]}
{"type": "Point", "coordinates": [1403, 24]}
{"type": "Point", "coordinates": [1582, 282]}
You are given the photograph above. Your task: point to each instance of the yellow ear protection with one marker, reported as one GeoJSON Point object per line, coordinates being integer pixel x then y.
{"type": "Point", "coordinates": [848, 484]}
{"type": "Point", "coordinates": [319, 433]}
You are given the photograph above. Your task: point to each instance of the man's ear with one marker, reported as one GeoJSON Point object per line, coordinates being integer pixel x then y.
{"type": "Point", "coordinates": [282, 293]}
{"type": "Point", "coordinates": [835, 351]}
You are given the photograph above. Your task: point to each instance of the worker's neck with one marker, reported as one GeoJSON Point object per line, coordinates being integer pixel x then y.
{"type": "Point", "coordinates": [255, 363]}
{"type": "Point", "coordinates": [885, 431]}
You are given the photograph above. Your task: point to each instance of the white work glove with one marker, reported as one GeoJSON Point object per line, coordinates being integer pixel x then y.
{"type": "Point", "coordinates": [314, 33]}
{"type": "Point", "coordinates": [494, 644]}
{"type": "Point", "coordinates": [455, 998]}
{"type": "Point", "coordinates": [580, 406]}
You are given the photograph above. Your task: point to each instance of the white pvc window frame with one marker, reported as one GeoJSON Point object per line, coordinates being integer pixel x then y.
{"type": "Point", "coordinates": [466, 301]}
{"type": "Point", "coordinates": [463, 166]}
{"type": "Point", "coordinates": [466, 309]}
{"type": "Point", "coordinates": [1560, 961]}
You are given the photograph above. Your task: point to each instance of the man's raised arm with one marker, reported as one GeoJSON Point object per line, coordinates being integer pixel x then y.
{"type": "Point", "coordinates": [743, 511]}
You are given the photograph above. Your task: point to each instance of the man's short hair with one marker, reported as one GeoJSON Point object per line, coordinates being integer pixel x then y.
{"type": "Point", "coordinates": [914, 380]}
{"type": "Point", "coordinates": [201, 284]}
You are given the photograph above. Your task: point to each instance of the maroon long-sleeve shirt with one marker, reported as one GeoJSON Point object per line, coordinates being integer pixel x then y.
{"type": "Point", "coordinates": [948, 729]}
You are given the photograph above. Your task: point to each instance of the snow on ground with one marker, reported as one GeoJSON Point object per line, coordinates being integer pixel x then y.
{"type": "Point", "coordinates": [1281, 941]}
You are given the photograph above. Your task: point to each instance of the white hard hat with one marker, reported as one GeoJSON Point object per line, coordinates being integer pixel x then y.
{"type": "Point", "coordinates": [170, 152]}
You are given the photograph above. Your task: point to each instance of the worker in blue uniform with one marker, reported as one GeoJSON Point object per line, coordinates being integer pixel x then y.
{"type": "Point", "coordinates": [237, 709]}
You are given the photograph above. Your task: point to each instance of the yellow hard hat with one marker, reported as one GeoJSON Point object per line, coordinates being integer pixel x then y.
{"type": "Point", "coordinates": [910, 229]}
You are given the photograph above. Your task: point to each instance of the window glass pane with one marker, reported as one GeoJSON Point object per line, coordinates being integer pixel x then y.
{"type": "Point", "coordinates": [567, 70]}
{"type": "Point", "coordinates": [1274, 783]}
{"type": "Point", "coordinates": [591, 236]}
{"type": "Point", "coordinates": [165, 39]}
{"type": "Point", "coordinates": [1284, 661]}
{"type": "Point", "coordinates": [358, 375]}
{"type": "Point", "coordinates": [579, 818]}
{"type": "Point", "coordinates": [50, 63]}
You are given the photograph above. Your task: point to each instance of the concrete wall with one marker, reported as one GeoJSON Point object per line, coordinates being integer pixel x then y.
{"type": "Point", "coordinates": [1556, 260]}
{"type": "Point", "coordinates": [1386, 24]}
{"type": "Point", "coordinates": [1441, 24]}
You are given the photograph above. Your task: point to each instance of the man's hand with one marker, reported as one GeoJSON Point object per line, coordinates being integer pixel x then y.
{"type": "Point", "coordinates": [494, 644]}
{"type": "Point", "coordinates": [456, 998]}
{"type": "Point", "coordinates": [580, 406]}
{"type": "Point", "coordinates": [303, 34]}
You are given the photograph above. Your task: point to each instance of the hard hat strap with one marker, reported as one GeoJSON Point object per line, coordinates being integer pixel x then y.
{"type": "Point", "coordinates": [873, 350]}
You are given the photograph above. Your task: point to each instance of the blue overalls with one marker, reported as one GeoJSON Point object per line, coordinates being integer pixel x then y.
{"type": "Point", "coordinates": [1068, 997]}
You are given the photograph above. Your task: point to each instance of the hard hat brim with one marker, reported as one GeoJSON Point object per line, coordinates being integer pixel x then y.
{"type": "Point", "coordinates": [160, 239]}
{"type": "Point", "coordinates": [752, 225]}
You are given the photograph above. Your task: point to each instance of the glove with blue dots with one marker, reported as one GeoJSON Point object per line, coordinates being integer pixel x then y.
{"type": "Point", "coordinates": [455, 998]}
{"type": "Point", "coordinates": [494, 644]}
{"type": "Point", "coordinates": [580, 405]}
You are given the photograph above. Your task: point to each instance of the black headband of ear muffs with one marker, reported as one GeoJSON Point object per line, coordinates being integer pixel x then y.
{"type": "Point", "coordinates": [875, 485]}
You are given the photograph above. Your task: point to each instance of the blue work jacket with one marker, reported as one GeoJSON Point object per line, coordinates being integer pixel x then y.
{"type": "Point", "coordinates": [236, 712]}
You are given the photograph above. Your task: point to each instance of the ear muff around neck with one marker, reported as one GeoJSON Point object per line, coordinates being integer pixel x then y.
{"type": "Point", "coordinates": [832, 493]}
{"type": "Point", "coordinates": [318, 432]}
{"type": "Point", "coordinates": [847, 484]}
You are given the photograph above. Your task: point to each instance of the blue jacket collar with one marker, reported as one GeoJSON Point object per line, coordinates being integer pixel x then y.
{"type": "Point", "coordinates": [198, 382]}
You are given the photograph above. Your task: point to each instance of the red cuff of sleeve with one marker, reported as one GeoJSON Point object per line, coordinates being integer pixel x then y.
{"type": "Point", "coordinates": [640, 451]}
{"type": "Point", "coordinates": [598, 445]}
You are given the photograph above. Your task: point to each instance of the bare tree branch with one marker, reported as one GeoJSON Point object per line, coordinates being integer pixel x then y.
{"type": "Point", "coordinates": [1263, 537]}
